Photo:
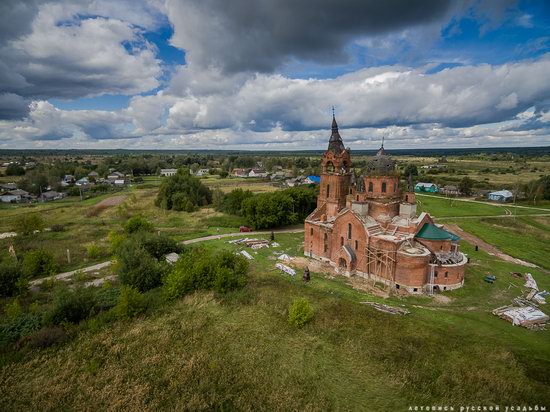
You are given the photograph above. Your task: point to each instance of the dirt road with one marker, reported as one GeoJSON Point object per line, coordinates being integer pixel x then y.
{"type": "Point", "coordinates": [490, 249]}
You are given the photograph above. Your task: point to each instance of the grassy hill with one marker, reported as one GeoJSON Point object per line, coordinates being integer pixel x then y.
{"type": "Point", "coordinates": [237, 352]}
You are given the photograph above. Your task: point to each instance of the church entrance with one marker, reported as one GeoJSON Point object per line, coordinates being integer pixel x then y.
{"type": "Point", "coordinates": [342, 263]}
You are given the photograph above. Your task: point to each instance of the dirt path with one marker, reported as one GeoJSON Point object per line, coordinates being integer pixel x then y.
{"type": "Point", "coordinates": [490, 249]}
{"type": "Point", "coordinates": [243, 234]}
{"type": "Point", "coordinates": [505, 205]}
{"type": "Point", "coordinates": [66, 275]}
{"type": "Point", "coordinates": [112, 201]}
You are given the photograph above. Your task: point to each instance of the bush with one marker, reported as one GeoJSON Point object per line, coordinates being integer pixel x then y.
{"type": "Point", "coordinates": [136, 267]}
{"type": "Point", "coordinates": [94, 251]}
{"type": "Point", "coordinates": [115, 240]}
{"type": "Point", "coordinates": [137, 224]}
{"type": "Point", "coordinates": [57, 228]}
{"type": "Point", "coordinates": [10, 277]}
{"type": "Point", "coordinates": [300, 313]}
{"type": "Point", "coordinates": [183, 192]}
{"type": "Point", "coordinates": [15, 328]}
{"type": "Point", "coordinates": [15, 169]}
{"type": "Point", "coordinates": [71, 306]}
{"type": "Point", "coordinates": [159, 245]}
{"type": "Point", "coordinates": [199, 269]}
{"type": "Point", "coordinates": [46, 337]}
{"type": "Point", "coordinates": [131, 303]}
{"type": "Point", "coordinates": [39, 263]}
{"type": "Point", "coordinates": [28, 223]}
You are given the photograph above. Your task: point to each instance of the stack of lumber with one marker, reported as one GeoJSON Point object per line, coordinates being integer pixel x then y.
{"type": "Point", "coordinates": [387, 309]}
{"type": "Point", "coordinates": [526, 316]}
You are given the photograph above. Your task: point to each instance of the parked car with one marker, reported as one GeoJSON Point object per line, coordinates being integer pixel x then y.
{"type": "Point", "coordinates": [245, 229]}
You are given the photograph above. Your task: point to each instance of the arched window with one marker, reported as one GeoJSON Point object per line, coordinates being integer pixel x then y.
{"type": "Point", "coordinates": [311, 231]}
{"type": "Point", "coordinates": [328, 190]}
{"type": "Point", "coordinates": [326, 237]}
{"type": "Point", "coordinates": [394, 188]}
{"type": "Point", "coordinates": [330, 167]}
{"type": "Point", "coordinates": [370, 187]}
{"type": "Point", "coordinates": [349, 230]}
{"type": "Point", "coordinates": [406, 198]}
{"type": "Point", "coordinates": [383, 187]}
{"type": "Point", "coordinates": [350, 191]}
{"type": "Point", "coordinates": [358, 198]}
{"type": "Point", "coordinates": [356, 244]}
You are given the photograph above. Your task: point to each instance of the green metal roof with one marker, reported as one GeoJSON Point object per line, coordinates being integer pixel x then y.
{"type": "Point", "coordinates": [432, 232]}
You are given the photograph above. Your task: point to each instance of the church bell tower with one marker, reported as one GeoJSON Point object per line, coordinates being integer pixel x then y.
{"type": "Point", "coordinates": [335, 174]}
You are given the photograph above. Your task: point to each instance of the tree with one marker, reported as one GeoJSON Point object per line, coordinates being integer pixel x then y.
{"type": "Point", "coordinates": [137, 224]}
{"type": "Point", "coordinates": [10, 277]}
{"type": "Point", "coordinates": [465, 186]}
{"type": "Point", "coordinates": [38, 263]}
{"type": "Point", "coordinates": [410, 169]}
{"type": "Point", "coordinates": [15, 169]}
{"type": "Point", "coordinates": [28, 223]}
{"type": "Point", "coordinates": [183, 192]}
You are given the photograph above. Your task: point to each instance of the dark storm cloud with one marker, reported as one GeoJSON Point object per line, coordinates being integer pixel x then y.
{"type": "Point", "coordinates": [260, 35]}
{"type": "Point", "coordinates": [12, 106]}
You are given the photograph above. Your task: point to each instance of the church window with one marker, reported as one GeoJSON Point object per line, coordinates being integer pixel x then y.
{"type": "Point", "coordinates": [311, 231]}
{"type": "Point", "coordinates": [435, 274]}
{"type": "Point", "coordinates": [383, 187]}
{"type": "Point", "coordinates": [349, 230]}
{"type": "Point", "coordinates": [406, 198]}
{"type": "Point", "coordinates": [394, 188]}
{"type": "Point", "coordinates": [326, 248]}
{"type": "Point", "coordinates": [358, 198]}
{"type": "Point", "coordinates": [356, 245]}
{"type": "Point", "coordinates": [328, 190]}
{"type": "Point", "coordinates": [446, 274]}
{"type": "Point", "coordinates": [370, 187]}
{"type": "Point", "coordinates": [342, 241]}
{"type": "Point", "coordinates": [330, 167]}
{"type": "Point", "coordinates": [350, 191]}
{"type": "Point", "coordinates": [326, 237]}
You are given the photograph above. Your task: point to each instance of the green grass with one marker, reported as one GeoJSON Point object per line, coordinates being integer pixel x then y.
{"type": "Point", "coordinates": [238, 352]}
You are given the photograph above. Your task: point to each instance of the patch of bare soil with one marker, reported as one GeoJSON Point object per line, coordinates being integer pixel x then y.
{"type": "Point", "coordinates": [112, 201]}
{"type": "Point", "coordinates": [442, 299]}
{"type": "Point", "coordinates": [314, 265]}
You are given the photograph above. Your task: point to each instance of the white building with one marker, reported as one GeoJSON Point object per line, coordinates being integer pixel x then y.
{"type": "Point", "coordinates": [168, 172]}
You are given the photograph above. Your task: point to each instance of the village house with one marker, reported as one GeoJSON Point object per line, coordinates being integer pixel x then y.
{"type": "Point", "coordinates": [203, 172]}
{"type": "Point", "coordinates": [93, 175]}
{"type": "Point", "coordinates": [450, 190]}
{"type": "Point", "coordinates": [51, 195]}
{"type": "Point", "coordinates": [15, 196]}
{"type": "Point", "coordinates": [115, 175]}
{"type": "Point", "coordinates": [369, 227]}
{"type": "Point", "coordinates": [426, 187]}
{"type": "Point", "coordinates": [501, 196]}
{"type": "Point", "coordinates": [257, 173]}
{"type": "Point", "coordinates": [240, 173]}
{"type": "Point", "coordinates": [168, 172]}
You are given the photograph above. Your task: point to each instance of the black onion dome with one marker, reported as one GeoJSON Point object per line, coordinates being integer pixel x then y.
{"type": "Point", "coordinates": [335, 144]}
{"type": "Point", "coordinates": [381, 164]}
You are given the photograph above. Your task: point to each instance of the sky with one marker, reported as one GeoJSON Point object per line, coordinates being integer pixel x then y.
{"type": "Point", "coordinates": [265, 74]}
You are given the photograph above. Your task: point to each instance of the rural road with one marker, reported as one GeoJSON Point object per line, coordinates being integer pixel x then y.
{"type": "Point", "coordinates": [99, 266]}
{"type": "Point", "coordinates": [505, 205]}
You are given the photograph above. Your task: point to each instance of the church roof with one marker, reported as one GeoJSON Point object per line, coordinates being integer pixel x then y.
{"type": "Point", "coordinates": [431, 232]}
{"type": "Point", "coordinates": [335, 144]}
{"type": "Point", "coordinates": [381, 164]}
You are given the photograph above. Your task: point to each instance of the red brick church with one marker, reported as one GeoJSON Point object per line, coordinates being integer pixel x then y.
{"type": "Point", "coordinates": [368, 227]}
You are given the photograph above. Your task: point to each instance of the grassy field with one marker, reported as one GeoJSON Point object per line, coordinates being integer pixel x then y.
{"type": "Point", "coordinates": [207, 352]}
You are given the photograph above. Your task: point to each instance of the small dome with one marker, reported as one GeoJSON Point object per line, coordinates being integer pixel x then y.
{"type": "Point", "coordinates": [380, 165]}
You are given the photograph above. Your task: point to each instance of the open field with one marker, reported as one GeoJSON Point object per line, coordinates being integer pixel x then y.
{"type": "Point", "coordinates": [238, 352]}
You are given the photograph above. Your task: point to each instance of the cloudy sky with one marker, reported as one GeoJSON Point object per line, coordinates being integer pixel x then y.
{"type": "Point", "coordinates": [264, 74]}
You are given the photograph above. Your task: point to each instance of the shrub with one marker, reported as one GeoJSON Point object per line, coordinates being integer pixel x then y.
{"type": "Point", "coordinates": [200, 269]}
{"type": "Point", "coordinates": [10, 277]}
{"type": "Point", "coordinates": [46, 337]}
{"type": "Point", "coordinates": [71, 306]}
{"type": "Point", "coordinates": [300, 312]}
{"type": "Point", "coordinates": [13, 309]}
{"type": "Point", "coordinates": [159, 245]}
{"type": "Point", "coordinates": [39, 263]}
{"type": "Point", "coordinates": [137, 224]}
{"type": "Point", "coordinates": [94, 251]}
{"type": "Point", "coordinates": [28, 223]}
{"type": "Point", "coordinates": [18, 327]}
{"type": "Point", "coordinates": [107, 297]}
{"type": "Point", "coordinates": [131, 303]}
{"type": "Point", "coordinates": [115, 240]}
{"type": "Point", "coordinates": [136, 267]}
{"type": "Point", "coordinates": [57, 228]}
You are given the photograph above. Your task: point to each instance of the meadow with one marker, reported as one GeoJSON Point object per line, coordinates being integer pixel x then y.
{"type": "Point", "coordinates": [237, 352]}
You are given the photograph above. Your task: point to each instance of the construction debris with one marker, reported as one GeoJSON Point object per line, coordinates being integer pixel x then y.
{"type": "Point", "coordinates": [387, 309]}
{"type": "Point", "coordinates": [286, 269]}
{"type": "Point", "coordinates": [526, 316]}
{"type": "Point", "coordinates": [275, 244]}
{"type": "Point", "coordinates": [530, 282]}
{"type": "Point", "coordinates": [490, 278]}
{"type": "Point", "coordinates": [284, 257]}
{"type": "Point", "coordinates": [172, 257]}
{"type": "Point", "coordinates": [246, 254]}
{"type": "Point", "coordinates": [517, 275]}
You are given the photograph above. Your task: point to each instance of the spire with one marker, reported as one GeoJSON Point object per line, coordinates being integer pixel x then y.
{"type": "Point", "coordinates": [381, 151]}
{"type": "Point", "coordinates": [335, 143]}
